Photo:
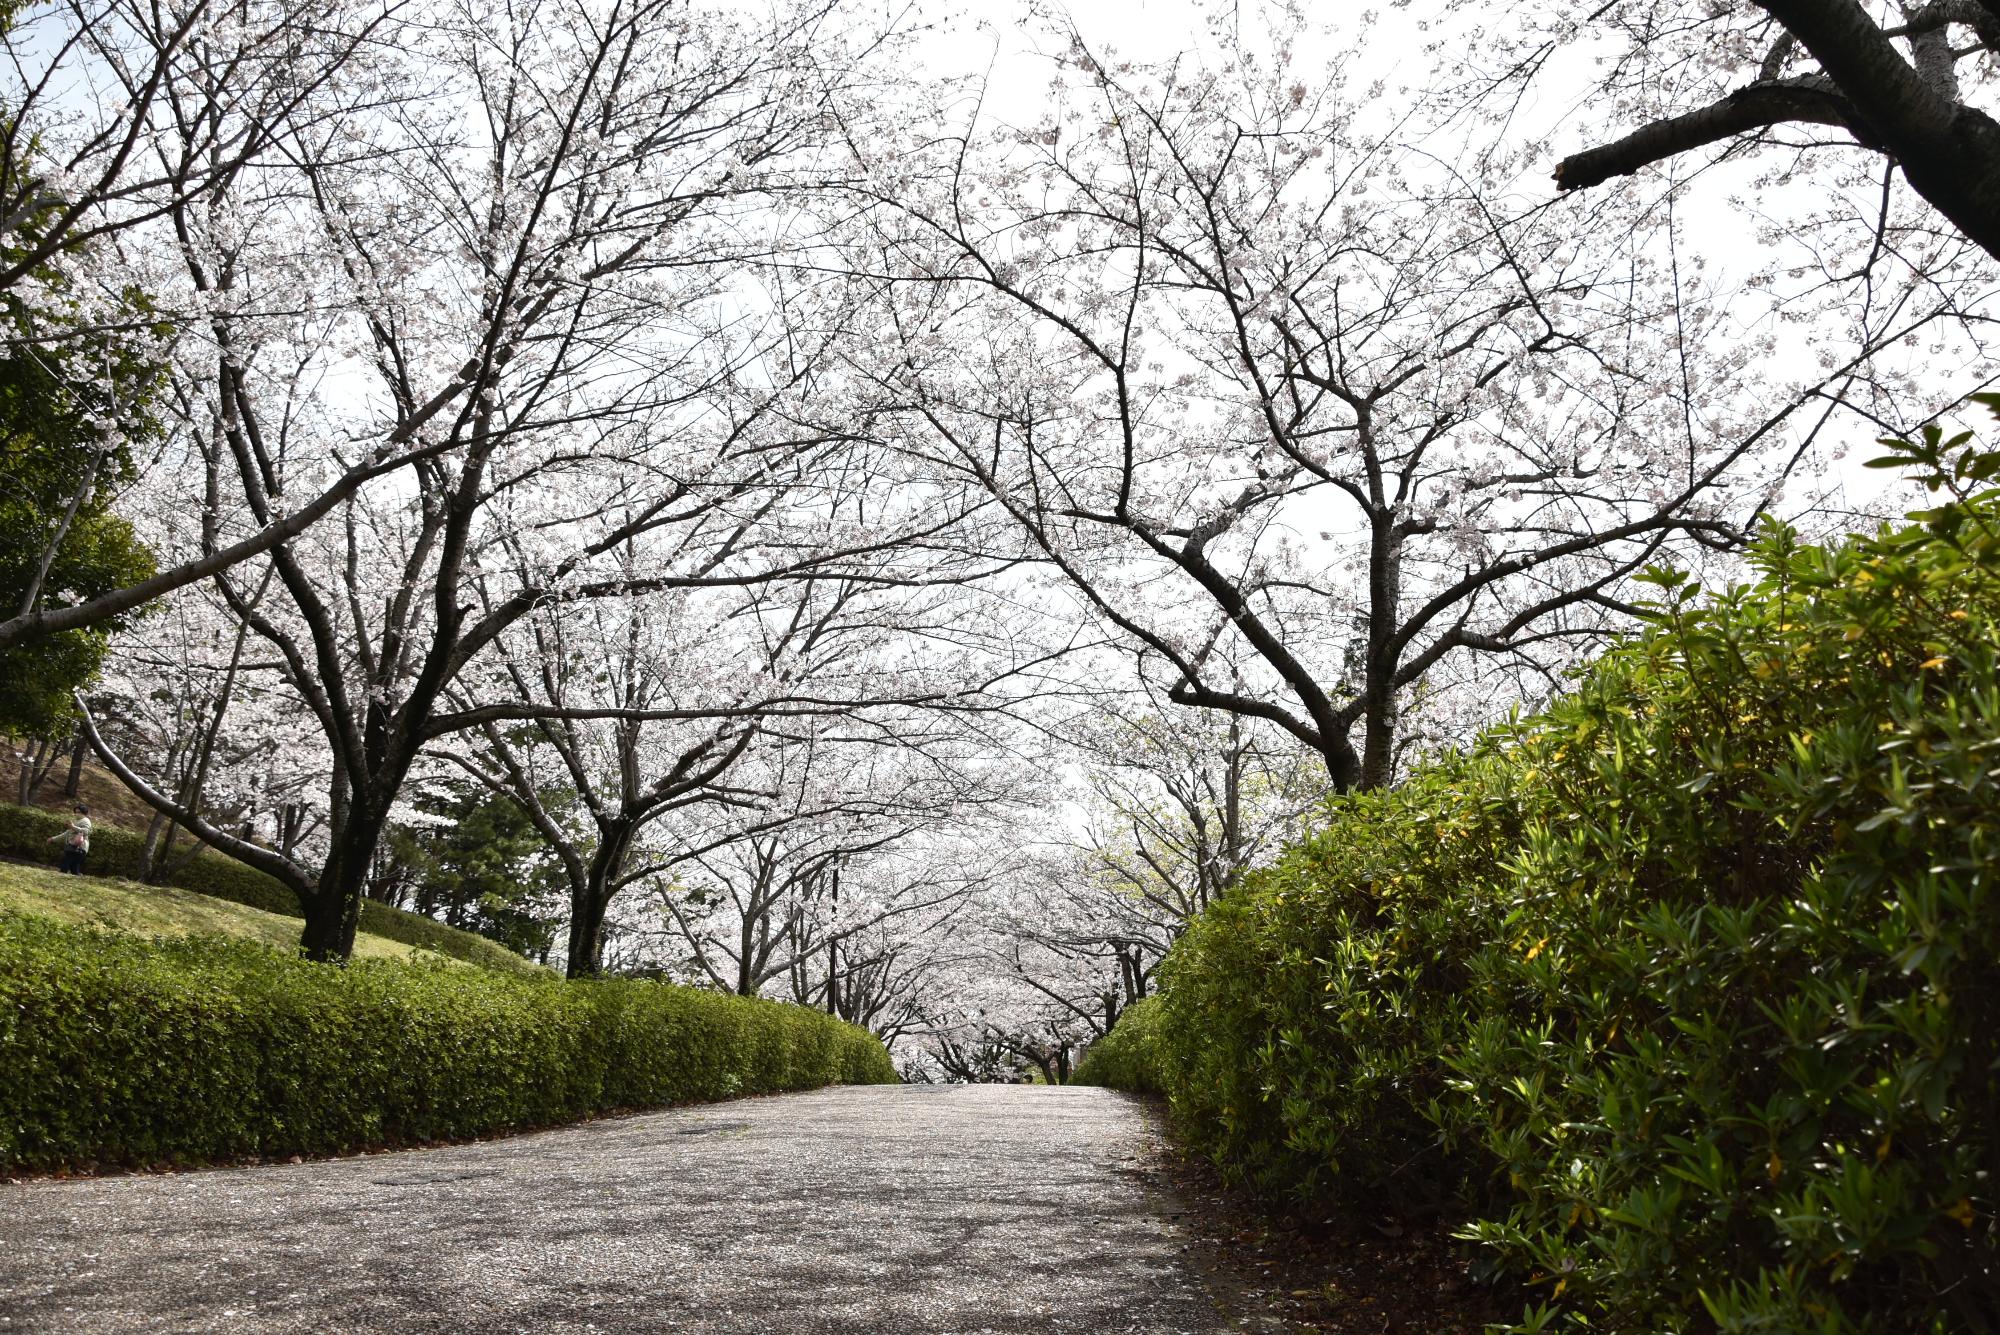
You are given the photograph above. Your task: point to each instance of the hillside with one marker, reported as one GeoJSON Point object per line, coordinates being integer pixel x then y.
{"type": "Point", "coordinates": [109, 800]}
{"type": "Point", "coordinates": [121, 818]}
{"type": "Point", "coordinates": [163, 910]}
{"type": "Point", "coordinates": [115, 855]}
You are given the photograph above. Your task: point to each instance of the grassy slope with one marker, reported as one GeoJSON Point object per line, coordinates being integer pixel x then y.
{"type": "Point", "coordinates": [110, 802]}
{"type": "Point", "coordinates": [158, 910]}
{"type": "Point", "coordinates": [115, 807]}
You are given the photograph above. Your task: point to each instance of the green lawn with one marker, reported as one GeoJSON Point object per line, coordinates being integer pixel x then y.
{"type": "Point", "coordinates": [159, 910]}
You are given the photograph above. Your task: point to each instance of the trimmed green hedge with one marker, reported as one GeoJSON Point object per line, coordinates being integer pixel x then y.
{"type": "Point", "coordinates": [123, 1051]}
{"type": "Point", "coordinates": [1307, 1017]}
{"type": "Point", "coordinates": [25, 833]}
{"type": "Point", "coordinates": [1129, 1056]}
{"type": "Point", "coordinates": [1686, 993]}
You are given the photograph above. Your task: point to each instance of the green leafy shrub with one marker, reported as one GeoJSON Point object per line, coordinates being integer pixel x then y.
{"type": "Point", "coordinates": [25, 833]}
{"type": "Point", "coordinates": [1129, 1057]}
{"type": "Point", "coordinates": [1305, 1016]}
{"type": "Point", "coordinates": [119, 1050]}
{"type": "Point", "coordinates": [1687, 991]}
{"type": "Point", "coordinates": [1753, 926]}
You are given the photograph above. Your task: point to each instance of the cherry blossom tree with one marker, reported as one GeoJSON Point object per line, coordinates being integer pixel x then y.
{"type": "Point", "coordinates": [1180, 808]}
{"type": "Point", "coordinates": [539, 274]}
{"type": "Point", "coordinates": [651, 720]}
{"type": "Point", "coordinates": [986, 1020]}
{"type": "Point", "coordinates": [646, 706]}
{"type": "Point", "coordinates": [1315, 413]}
{"type": "Point", "coordinates": [901, 562]}
{"type": "Point", "coordinates": [865, 845]}
{"type": "Point", "coordinates": [1168, 811]}
{"type": "Point", "coordinates": [195, 705]}
{"type": "Point", "coordinates": [86, 84]}
{"type": "Point", "coordinates": [184, 688]}
{"type": "Point", "coordinates": [122, 119]}
{"type": "Point", "coordinates": [883, 975]}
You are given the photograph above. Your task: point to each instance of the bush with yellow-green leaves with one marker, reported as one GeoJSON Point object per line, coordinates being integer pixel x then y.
{"type": "Point", "coordinates": [1685, 993]}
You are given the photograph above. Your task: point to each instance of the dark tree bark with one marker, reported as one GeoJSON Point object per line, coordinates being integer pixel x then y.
{"type": "Point", "coordinates": [1759, 106]}
{"type": "Point", "coordinates": [77, 751]}
{"type": "Point", "coordinates": [591, 900]}
{"type": "Point", "coordinates": [36, 758]}
{"type": "Point", "coordinates": [1905, 106]}
{"type": "Point", "coordinates": [586, 937]}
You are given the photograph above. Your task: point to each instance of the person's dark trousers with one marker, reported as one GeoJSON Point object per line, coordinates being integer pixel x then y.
{"type": "Point", "coordinates": [72, 862]}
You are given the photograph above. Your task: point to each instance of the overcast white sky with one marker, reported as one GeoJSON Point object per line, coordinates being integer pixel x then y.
{"type": "Point", "coordinates": [1001, 35]}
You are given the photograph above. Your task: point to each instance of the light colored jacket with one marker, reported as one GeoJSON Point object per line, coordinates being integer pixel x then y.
{"type": "Point", "coordinates": [78, 834]}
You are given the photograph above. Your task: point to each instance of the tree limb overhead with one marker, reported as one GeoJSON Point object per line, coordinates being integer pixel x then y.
{"type": "Point", "coordinates": [1806, 99]}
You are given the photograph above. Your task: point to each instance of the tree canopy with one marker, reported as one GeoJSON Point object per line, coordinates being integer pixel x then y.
{"type": "Point", "coordinates": [743, 497]}
{"type": "Point", "coordinates": [80, 377]}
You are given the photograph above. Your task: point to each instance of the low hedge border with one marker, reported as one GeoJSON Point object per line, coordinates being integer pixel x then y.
{"type": "Point", "coordinates": [1129, 1057]}
{"type": "Point", "coordinates": [122, 1051]}
{"type": "Point", "coordinates": [25, 832]}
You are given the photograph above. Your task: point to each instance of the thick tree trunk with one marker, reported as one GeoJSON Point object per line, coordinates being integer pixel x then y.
{"type": "Point", "coordinates": [590, 900]}
{"type": "Point", "coordinates": [333, 909]}
{"type": "Point", "coordinates": [1378, 753]}
{"type": "Point", "coordinates": [74, 782]}
{"type": "Point", "coordinates": [1949, 152]}
{"type": "Point", "coordinates": [332, 915]}
{"type": "Point", "coordinates": [586, 936]}
{"type": "Point", "coordinates": [1385, 605]}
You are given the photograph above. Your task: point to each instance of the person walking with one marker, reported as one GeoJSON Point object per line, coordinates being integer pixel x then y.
{"type": "Point", "coordinates": [75, 842]}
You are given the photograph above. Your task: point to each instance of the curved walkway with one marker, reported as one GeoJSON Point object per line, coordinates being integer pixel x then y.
{"type": "Point", "coordinates": [883, 1209]}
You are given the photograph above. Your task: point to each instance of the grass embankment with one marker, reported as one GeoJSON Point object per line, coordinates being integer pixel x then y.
{"type": "Point", "coordinates": [119, 853]}
{"type": "Point", "coordinates": [163, 910]}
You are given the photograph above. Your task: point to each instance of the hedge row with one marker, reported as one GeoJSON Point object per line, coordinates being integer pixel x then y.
{"type": "Point", "coordinates": [1129, 1056]}
{"type": "Point", "coordinates": [123, 1051]}
{"type": "Point", "coordinates": [25, 833]}
{"type": "Point", "coordinates": [1334, 982]}
{"type": "Point", "coordinates": [1686, 993]}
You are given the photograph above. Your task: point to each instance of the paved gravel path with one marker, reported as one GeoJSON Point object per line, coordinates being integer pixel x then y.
{"type": "Point", "coordinates": [956, 1209]}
